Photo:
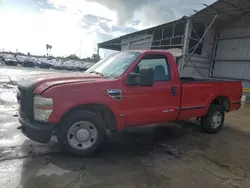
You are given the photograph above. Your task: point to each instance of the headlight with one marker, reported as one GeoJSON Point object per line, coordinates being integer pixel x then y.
{"type": "Point", "coordinates": [42, 108]}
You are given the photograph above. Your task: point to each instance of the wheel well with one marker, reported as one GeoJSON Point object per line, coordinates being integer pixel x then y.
{"type": "Point", "coordinates": [102, 110]}
{"type": "Point", "coordinates": [222, 100]}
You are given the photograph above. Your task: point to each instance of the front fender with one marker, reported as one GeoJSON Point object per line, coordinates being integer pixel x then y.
{"type": "Point", "coordinates": [64, 106]}
{"type": "Point", "coordinates": [71, 95]}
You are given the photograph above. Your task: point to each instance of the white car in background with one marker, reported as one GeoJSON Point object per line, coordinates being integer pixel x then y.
{"type": "Point", "coordinates": [57, 64]}
{"type": "Point", "coordinates": [70, 65]}
{"type": "Point", "coordinates": [85, 66]}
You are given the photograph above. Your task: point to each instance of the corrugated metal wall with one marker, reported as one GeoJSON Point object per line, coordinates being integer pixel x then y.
{"type": "Point", "coordinates": [232, 58]}
{"type": "Point", "coordinates": [137, 42]}
{"type": "Point", "coordinates": [202, 64]}
{"type": "Point", "coordinates": [125, 44]}
{"type": "Point", "coordinates": [142, 42]}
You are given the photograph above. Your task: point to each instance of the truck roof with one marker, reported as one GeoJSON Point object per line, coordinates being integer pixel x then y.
{"type": "Point", "coordinates": [176, 52]}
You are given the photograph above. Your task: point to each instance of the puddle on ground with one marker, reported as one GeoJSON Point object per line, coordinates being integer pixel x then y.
{"type": "Point", "coordinates": [51, 169]}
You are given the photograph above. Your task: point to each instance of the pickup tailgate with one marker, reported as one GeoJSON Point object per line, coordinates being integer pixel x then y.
{"type": "Point", "coordinates": [197, 96]}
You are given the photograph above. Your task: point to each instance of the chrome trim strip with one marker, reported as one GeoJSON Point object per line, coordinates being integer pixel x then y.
{"type": "Point", "coordinates": [191, 107]}
{"type": "Point", "coordinates": [236, 102]}
{"type": "Point", "coordinates": [165, 111]}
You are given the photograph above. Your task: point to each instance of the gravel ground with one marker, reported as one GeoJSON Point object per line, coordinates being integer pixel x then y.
{"type": "Point", "coordinates": [172, 155]}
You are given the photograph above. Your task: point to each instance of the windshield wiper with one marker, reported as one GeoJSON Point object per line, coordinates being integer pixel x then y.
{"type": "Point", "coordinates": [95, 72]}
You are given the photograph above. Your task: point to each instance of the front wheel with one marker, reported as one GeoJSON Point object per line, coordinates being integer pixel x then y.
{"type": "Point", "coordinates": [213, 121]}
{"type": "Point", "coordinates": [82, 132]}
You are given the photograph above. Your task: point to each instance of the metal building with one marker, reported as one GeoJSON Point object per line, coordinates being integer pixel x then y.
{"type": "Point", "coordinates": [215, 41]}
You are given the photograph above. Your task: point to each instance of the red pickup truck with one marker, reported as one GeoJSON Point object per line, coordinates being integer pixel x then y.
{"type": "Point", "coordinates": [126, 89]}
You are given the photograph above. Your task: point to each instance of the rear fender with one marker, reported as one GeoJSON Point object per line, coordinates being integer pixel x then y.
{"type": "Point", "coordinates": [214, 97]}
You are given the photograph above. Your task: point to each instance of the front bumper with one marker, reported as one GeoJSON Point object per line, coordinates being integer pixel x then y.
{"type": "Point", "coordinates": [36, 131]}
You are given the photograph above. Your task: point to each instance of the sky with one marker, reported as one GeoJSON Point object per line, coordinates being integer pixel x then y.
{"type": "Point", "coordinates": [76, 26]}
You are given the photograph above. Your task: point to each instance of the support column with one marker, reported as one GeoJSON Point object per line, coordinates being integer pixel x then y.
{"type": "Point", "coordinates": [185, 44]}
{"type": "Point", "coordinates": [214, 52]}
{"type": "Point", "coordinates": [98, 51]}
{"type": "Point", "coordinates": [129, 42]}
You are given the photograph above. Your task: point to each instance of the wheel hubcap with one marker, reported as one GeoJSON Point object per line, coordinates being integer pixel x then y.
{"type": "Point", "coordinates": [82, 135]}
{"type": "Point", "coordinates": [216, 119]}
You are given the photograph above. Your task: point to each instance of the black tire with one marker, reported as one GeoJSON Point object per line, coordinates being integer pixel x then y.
{"type": "Point", "coordinates": [206, 121]}
{"type": "Point", "coordinates": [82, 115]}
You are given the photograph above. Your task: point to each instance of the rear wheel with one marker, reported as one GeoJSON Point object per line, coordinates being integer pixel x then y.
{"type": "Point", "coordinates": [213, 121]}
{"type": "Point", "coordinates": [82, 132]}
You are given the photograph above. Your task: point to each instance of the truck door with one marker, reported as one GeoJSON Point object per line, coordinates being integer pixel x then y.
{"type": "Point", "coordinates": [156, 104]}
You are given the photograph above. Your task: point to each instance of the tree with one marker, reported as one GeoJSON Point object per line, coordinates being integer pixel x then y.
{"type": "Point", "coordinates": [48, 49]}
{"type": "Point", "coordinates": [73, 57]}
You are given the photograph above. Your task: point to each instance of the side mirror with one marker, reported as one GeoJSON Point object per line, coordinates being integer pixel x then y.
{"type": "Point", "coordinates": [144, 78]}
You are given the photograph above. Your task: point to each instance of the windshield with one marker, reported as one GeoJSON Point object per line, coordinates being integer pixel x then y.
{"type": "Point", "coordinates": [114, 65]}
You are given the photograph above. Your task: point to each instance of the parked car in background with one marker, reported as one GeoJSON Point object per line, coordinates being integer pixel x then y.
{"type": "Point", "coordinates": [85, 66]}
{"type": "Point", "coordinates": [70, 65]}
{"type": "Point", "coordinates": [50, 61]}
{"type": "Point", "coordinates": [57, 64]}
{"type": "Point", "coordinates": [9, 60]}
{"type": "Point", "coordinates": [42, 63]}
{"type": "Point", "coordinates": [77, 65]}
{"type": "Point", "coordinates": [36, 62]}
{"type": "Point", "coordinates": [20, 60]}
{"type": "Point", "coordinates": [1, 60]}
{"type": "Point", "coordinates": [45, 62]}
{"type": "Point", "coordinates": [29, 62]}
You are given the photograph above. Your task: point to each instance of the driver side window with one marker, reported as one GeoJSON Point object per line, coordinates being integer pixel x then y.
{"type": "Point", "coordinates": [159, 64]}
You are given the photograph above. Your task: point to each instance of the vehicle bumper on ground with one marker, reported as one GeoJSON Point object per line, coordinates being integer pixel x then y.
{"type": "Point", "coordinates": [43, 65]}
{"type": "Point", "coordinates": [14, 63]}
{"type": "Point", "coordinates": [36, 131]}
{"type": "Point", "coordinates": [28, 64]}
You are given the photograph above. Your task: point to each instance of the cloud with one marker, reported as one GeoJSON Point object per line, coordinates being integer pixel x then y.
{"type": "Point", "coordinates": [26, 5]}
{"type": "Point", "coordinates": [76, 26]}
{"type": "Point", "coordinates": [83, 7]}
{"type": "Point", "coordinates": [151, 12]}
{"type": "Point", "coordinates": [32, 24]}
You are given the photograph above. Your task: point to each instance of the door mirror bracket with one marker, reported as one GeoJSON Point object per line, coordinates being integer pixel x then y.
{"type": "Point", "coordinates": [145, 78]}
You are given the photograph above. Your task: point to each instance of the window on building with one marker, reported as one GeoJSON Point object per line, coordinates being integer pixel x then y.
{"type": "Point", "coordinates": [179, 28]}
{"type": "Point", "coordinates": [168, 36]}
{"type": "Point", "coordinates": [168, 31]}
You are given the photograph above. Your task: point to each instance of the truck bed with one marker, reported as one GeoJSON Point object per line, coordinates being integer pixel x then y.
{"type": "Point", "coordinates": [197, 94]}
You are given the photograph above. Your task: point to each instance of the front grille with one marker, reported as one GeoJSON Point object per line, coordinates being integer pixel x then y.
{"type": "Point", "coordinates": [25, 101]}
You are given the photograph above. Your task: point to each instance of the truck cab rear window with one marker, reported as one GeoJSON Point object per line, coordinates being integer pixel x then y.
{"type": "Point", "coordinates": [159, 64]}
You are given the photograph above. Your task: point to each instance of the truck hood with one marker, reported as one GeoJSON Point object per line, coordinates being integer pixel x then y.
{"type": "Point", "coordinates": [48, 80]}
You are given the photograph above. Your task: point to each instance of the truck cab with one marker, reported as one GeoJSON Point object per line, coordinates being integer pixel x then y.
{"type": "Point", "coordinates": [126, 89]}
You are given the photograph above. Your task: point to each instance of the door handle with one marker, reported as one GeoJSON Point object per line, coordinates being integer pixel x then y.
{"type": "Point", "coordinates": [173, 91]}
